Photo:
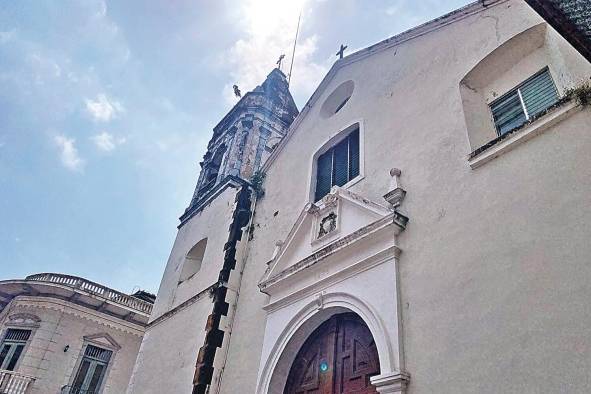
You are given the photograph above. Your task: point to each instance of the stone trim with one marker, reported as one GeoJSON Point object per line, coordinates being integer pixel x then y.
{"type": "Point", "coordinates": [229, 181]}
{"type": "Point", "coordinates": [64, 306]}
{"type": "Point", "coordinates": [331, 249]}
{"type": "Point", "coordinates": [511, 140]}
{"type": "Point", "coordinates": [368, 263]}
{"type": "Point", "coordinates": [394, 382]}
{"type": "Point", "coordinates": [113, 345]}
{"type": "Point", "coordinates": [167, 315]}
{"type": "Point", "coordinates": [27, 320]}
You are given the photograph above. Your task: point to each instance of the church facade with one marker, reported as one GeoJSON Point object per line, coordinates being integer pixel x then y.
{"type": "Point", "coordinates": [419, 227]}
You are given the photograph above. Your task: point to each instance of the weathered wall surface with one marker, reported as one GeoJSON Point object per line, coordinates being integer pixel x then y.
{"type": "Point", "coordinates": [65, 324]}
{"type": "Point", "coordinates": [211, 223]}
{"type": "Point", "coordinates": [166, 360]}
{"type": "Point", "coordinates": [494, 266]}
{"type": "Point", "coordinates": [177, 325]}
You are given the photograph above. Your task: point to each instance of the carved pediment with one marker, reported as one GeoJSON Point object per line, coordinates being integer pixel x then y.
{"type": "Point", "coordinates": [24, 320]}
{"type": "Point", "coordinates": [103, 340]}
{"type": "Point", "coordinates": [337, 220]}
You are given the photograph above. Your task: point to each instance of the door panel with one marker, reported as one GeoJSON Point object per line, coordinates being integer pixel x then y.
{"type": "Point", "coordinates": [339, 357]}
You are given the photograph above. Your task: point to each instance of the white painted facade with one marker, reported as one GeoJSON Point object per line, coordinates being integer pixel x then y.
{"type": "Point", "coordinates": [484, 289]}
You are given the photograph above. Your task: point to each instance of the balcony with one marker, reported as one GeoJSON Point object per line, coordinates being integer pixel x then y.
{"type": "Point", "coordinates": [94, 288]}
{"type": "Point", "coordinates": [80, 291]}
{"type": "Point", "coordinates": [15, 383]}
{"type": "Point", "coordinates": [76, 390]}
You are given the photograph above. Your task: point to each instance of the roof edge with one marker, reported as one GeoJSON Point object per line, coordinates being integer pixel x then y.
{"type": "Point", "coordinates": [383, 45]}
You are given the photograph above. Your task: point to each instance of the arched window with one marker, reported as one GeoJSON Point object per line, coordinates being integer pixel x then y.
{"type": "Point", "coordinates": [193, 260]}
{"type": "Point", "coordinates": [338, 162]}
{"type": "Point", "coordinates": [212, 169]}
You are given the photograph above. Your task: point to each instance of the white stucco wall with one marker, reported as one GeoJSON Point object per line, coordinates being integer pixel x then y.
{"type": "Point", "coordinates": [166, 360]}
{"type": "Point", "coordinates": [493, 264]}
{"type": "Point", "coordinates": [212, 223]}
{"type": "Point", "coordinates": [177, 329]}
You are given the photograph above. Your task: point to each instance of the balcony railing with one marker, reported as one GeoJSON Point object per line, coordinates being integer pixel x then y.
{"type": "Point", "coordinates": [75, 390]}
{"type": "Point", "coordinates": [14, 382]}
{"type": "Point", "coordinates": [94, 288]}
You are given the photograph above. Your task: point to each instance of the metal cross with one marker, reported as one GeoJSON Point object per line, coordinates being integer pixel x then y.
{"type": "Point", "coordinates": [341, 51]}
{"type": "Point", "coordinates": [280, 61]}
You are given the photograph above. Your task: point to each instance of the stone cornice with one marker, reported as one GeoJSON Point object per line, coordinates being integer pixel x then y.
{"type": "Point", "coordinates": [229, 181]}
{"type": "Point", "coordinates": [63, 306]}
{"type": "Point", "coordinates": [167, 315]}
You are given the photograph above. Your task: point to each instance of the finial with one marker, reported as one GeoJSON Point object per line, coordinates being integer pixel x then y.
{"type": "Point", "coordinates": [395, 194]}
{"type": "Point", "coordinates": [277, 249]}
{"type": "Point", "coordinates": [237, 92]}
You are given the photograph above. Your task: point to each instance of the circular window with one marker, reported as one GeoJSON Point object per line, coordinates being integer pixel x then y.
{"type": "Point", "coordinates": [337, 99]}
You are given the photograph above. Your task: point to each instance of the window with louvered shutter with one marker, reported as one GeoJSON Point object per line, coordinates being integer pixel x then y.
{"type": "Point", "coordinates": [529, 99]}
{"type": "Point", "coordinates": [12, 347]}
{"type": "Point", "coordinates": [338, 165]}
{"type": "Point", "coordinates": [91, 371]}
{"type": "Point", "coordinates": [324, 175]}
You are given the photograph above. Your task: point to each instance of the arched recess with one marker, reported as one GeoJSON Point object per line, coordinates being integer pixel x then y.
{"type": "Point", "coordinates": [507, 66]}
{"type": "Point", "coordinates": [276, 367]}
{"type": "Point", "coordinates": [193, 260]}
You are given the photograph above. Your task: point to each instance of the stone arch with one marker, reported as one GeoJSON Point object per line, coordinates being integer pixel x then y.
{"type": "Point", "coordinates": [276, 367]}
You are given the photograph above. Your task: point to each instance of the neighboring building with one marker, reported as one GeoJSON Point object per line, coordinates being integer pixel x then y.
{"type": "Point", "coordinates": [62, 334]}
{"type": "Point", "coordinates": [423, 226]}
{"type": "Point", "coordinates": [571, 18]}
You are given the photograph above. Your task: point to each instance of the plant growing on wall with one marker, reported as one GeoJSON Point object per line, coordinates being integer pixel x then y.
{"type": "Point", "coordinates": [581, 93]}
{"type": "Point", "coordinates": [256, 180]}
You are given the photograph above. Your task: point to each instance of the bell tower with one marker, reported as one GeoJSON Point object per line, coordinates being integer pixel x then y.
{"type": "Point", "coordinates": [245, 137]}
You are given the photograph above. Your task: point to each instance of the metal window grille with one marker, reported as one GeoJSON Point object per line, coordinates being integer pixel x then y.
{"type": "Point", "coordinates": [16, 335]}
{"type": "Point", "coordinates": [12, 347]}
{"type": "Point", "coordinates": [96, 353]}
{"type": "Point", "coordinates": [529, 99]}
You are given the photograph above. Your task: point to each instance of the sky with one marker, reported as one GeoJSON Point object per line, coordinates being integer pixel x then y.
{"type": "Point", "coordinates": [106, 108]}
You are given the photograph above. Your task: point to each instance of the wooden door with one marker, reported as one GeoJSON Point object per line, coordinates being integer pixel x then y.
{"type": "Point", "coordinates": [339, 357]}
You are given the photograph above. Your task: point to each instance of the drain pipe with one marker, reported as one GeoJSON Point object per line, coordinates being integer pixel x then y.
{"type": "Point", "coordinates": [214, 337]}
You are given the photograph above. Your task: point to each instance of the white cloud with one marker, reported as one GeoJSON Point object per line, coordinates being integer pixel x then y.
{"type": "Point", "coordinates": [107, 142]}
{"type": "Point", "coordinates": [6, 36]}
{"type": "Point", "coordinates": [103, 109]}
{"type": "Point", "coordinates": [269, 28]}
{"type": "Point", "coordinates": [68, 153]}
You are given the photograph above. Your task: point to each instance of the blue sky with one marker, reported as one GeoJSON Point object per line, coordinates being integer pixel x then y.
{"type": "Point", "coordinates": [106, 108]}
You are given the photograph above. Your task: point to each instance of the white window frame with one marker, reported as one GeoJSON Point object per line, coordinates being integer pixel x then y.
{"type": "Point", "coordinates": [330, 142]}
{"type": "Point", "coordinates": [517, 89]}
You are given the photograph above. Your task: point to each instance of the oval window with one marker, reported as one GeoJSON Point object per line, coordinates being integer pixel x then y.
{"type": "Point", "coordinates": [337, 99]}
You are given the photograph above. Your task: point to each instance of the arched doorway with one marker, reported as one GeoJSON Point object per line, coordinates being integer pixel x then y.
{"type": "Point", "coordinates": [338, 357]}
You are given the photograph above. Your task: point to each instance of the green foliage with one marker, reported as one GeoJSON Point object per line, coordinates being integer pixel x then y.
{"type": "Point", "coordinates": [581, 93]}
{"type": "Point", "coordinates": [257, 180]}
